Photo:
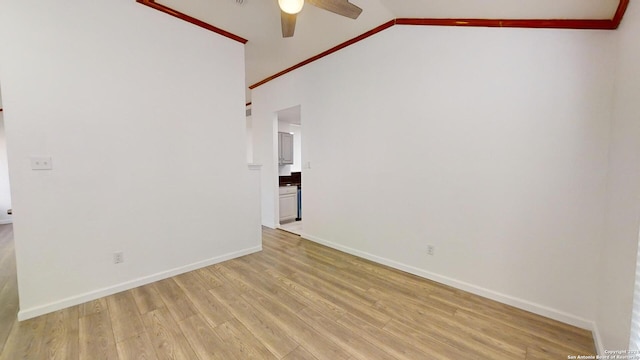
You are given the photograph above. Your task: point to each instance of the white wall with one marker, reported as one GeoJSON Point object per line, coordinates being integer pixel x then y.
{"type": "Point", "coordinates": [143, 115]}
{"type": "Point", "coordinates": [249, 139]}
{"type": "Point", "coordinates": [490, 144]}
{"type": "Point", "coordinates": [619, 249]}
{"type": "Point", "coordinates": [265, 153]}
{"type": "Point", "coordinates": [5, 189]}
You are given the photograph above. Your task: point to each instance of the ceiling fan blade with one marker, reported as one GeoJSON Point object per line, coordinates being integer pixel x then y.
{"type": "Point", "coordinates": [340, 7]}
{"type": "Point", "coordinates": [288, 24]}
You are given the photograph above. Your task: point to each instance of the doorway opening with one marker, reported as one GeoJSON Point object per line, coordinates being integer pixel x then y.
{"type": "Point", "coordinates": [5, 189]}
{"type": "Point", "coordinates": [290, 177]}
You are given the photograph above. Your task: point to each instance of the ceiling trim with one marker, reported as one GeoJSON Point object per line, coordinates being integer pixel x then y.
{"type": "Point", "coordinates": [514, 23]}
{"type": "Point", "coordinates": [192, 20]}
{"type": "Point", "coordinates": [517, 23]}
{"type": "Point", "coordinates": [376, 30]}
{"type": "Point", "coordinates": [622, 8]}
{"type": "Point", "coordinates": [580, 24]}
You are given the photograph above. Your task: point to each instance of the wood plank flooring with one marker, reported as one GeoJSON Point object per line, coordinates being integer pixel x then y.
{"type": "Point", "coordinates": [295, 300]}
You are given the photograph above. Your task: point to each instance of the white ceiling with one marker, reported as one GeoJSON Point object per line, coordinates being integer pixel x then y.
{"type": "Point", "coordinates": [290, 115]}
{"type": "Point", "coordinates": [267, 53]}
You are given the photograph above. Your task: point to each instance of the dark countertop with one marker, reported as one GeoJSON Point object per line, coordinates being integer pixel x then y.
{"type": "Point", "coordinates": [295, 179]}
{"type": "Point", "coordinates": [299, 185]}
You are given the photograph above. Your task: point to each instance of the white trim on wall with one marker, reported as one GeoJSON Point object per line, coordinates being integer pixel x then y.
{"type": "Point", "coordinates": [474, 289]}
{"type": "Point", "coordinates": [453, 176]}
{"type": "Point", "coordinates": [25, 314]}
{"type": "Point", "coordinates": [157, 196]}
{"type": "Point", "coordinates": [597, 339]}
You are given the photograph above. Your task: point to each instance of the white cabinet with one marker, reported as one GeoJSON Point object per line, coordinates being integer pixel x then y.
{"type": "Point", "coordinates": [288, 203]}
{"type": "Point", "coordinates": [285, 148]}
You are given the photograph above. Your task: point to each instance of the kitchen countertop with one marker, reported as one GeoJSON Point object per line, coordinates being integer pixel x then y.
{"type": "Point", "coordinates": [291, 184]}
{"type": "Point", "coordinates": [295, 179]}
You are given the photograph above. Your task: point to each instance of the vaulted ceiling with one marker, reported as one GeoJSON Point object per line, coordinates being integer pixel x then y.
{"type": "Point", "coordinates": [268, 53]}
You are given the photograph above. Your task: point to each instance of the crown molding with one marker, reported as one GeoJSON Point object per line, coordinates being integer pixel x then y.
{"type": "Point", "coordinates": [167, 10]}
{"type": "Point", "coordinates": [622, 8]}
{"type": "Point", "coordinates": [579, 24]}
{"type": "Point", "coordinates": [350, 42]}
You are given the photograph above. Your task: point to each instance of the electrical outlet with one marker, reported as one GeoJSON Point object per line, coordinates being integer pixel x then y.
{"type": "Point", "coordinates": [431, 250]}
{"type": "Point", "coordinates": [41, 163]}
{"type": "Point", "coordinates": [118, 257]}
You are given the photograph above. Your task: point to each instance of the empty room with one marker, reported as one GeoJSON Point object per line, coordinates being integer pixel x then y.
{"type": "Point", "coordinates": [462, 178]}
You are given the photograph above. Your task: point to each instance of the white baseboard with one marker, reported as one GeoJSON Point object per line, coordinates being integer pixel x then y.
{"type": "Point", "coordinates": [474, 289]}
{"type": "Point", "coordinates": [6, 222]}
{"type": "Point", "coordinates": [25, 314]}
{"type": "Point", "coordinates": [597, 339]}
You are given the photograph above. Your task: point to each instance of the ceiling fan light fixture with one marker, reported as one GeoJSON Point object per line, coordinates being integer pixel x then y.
{"type": "Point", "coordinates": [291, 6]}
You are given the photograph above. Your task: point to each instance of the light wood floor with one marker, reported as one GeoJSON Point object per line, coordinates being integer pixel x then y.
{"type": "Point", "coordinates": [295, 300]}
{"type": "Point", "coordinates": [295, 227]}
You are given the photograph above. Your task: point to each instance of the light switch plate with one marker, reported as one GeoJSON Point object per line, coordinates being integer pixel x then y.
{"type": "Point", "coordinates": [41, 163]}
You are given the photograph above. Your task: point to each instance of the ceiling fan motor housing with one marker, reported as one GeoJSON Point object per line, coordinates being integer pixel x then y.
{"type": "Point", "coordinates": [291, 6]}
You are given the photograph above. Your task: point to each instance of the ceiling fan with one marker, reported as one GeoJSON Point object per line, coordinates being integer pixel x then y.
{"type": "Point", "coordinates": [289, 10]}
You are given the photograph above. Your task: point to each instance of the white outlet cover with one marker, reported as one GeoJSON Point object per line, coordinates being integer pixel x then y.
{"type": "Point", "coordinates": [41, 163]}
{"type": "Point", "coordinates": [118, 257]}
